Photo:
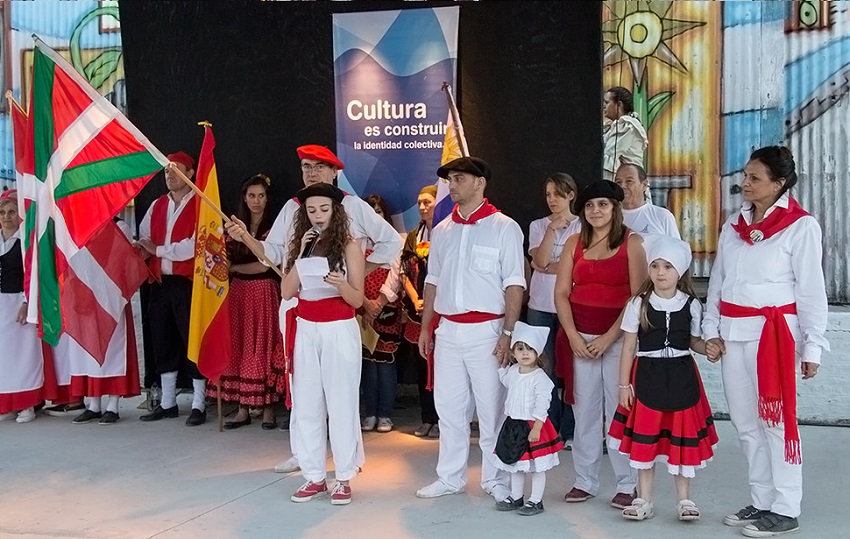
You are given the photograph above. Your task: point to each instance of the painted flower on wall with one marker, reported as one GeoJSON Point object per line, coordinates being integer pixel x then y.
{"type": "Point", "coordinates": [636, 32]}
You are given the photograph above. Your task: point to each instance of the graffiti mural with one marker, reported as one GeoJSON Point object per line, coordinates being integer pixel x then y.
{"type": "Point", "coordinates": [715, 80]}
{"type": "Point", "coordinates": [86, 32]}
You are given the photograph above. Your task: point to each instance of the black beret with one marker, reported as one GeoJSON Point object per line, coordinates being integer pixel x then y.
{"type": "Point", "coordinates": [599, 189]}
{"type": "Point", "coordinates": [320, 189]}
{"type": "Point", "coordinates": [472, 165]}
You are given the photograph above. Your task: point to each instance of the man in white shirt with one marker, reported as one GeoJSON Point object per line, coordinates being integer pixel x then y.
{"type": "Point", "coordinates": [475, 285]}
{"type": "Point", "coordinates": [320, 165]}
{"type": "Point", "coordinates": [639, 216]}
{"type": "Point", "coordinates": [167, 239]}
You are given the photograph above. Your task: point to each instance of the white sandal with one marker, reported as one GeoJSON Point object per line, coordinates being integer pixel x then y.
{"type": "Point", "coordinates": [640, 509]}
{"type": "Point", "coordinates": [688, 510]}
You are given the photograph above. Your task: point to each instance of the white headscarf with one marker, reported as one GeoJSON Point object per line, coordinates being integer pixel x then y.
{"type": "Point", "coordinates": [533, 336]}
{"type": "Point", "coordinates": [674, 251]}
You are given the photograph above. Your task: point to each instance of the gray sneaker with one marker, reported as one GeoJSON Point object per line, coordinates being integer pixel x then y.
{"type": "Point", "coordinates": [385, 424]}
{"type": "Point", "coordinates": [435, 431]}
{"type": "Point", "coordinates": [747, 515]}
{"type": "Point", "coordinates": [530, 509]}
{"type": "Point", "coordinates": [771, 525]}
{"type": "Point", "coordinates": [509, 504]}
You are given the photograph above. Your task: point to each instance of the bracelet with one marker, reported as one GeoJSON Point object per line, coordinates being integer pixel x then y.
{"type": "Point", "coordinates": [624, 387]}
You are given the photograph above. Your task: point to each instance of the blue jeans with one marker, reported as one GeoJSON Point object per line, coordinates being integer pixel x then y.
{"type": "Point", "coordinates": [560, 414]}
{"type": "Point", "coordinates": [377, 382]}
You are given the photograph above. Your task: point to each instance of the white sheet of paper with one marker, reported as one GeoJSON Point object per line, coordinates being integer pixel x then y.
{"type": "Point", "coordinates": [312, 272]}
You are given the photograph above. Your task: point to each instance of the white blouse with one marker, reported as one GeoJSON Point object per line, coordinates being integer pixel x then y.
{"type": "Point", "coordinates": [785, 268]}
{"type": "Point", "coordinates": [631, 318]}
{"type": "Point", "coordinates": [529, 394]}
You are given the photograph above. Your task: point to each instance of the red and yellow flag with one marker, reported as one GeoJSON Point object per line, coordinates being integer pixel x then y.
{"type": "Point", "coordinates": [209, 323]}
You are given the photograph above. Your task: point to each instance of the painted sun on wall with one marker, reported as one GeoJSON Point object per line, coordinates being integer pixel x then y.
{"type": "Point", "coordinates": [667, 54]}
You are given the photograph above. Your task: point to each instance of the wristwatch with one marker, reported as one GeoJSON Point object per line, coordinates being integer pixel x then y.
{"type": "Point", "coordinates": [507, 332]}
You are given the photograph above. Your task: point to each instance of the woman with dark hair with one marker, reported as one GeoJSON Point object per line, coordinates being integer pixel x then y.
{"type": "Point", "coordinates": [766, 315]}
{"type": "Point", "coordinates": [325, 268]}
{"type": "Point", "coordinates": [414, 263]}
{"type": "Point", "coordinates": [382, 313]}
{"type": "Point", "coordinates": [546, 239]}
{"type": "Point", "coordinates": [254, 378]}
{"type": "Point", "coordinates": [606, 267]}
{"type": "Point", "coordinates": [623, 136]}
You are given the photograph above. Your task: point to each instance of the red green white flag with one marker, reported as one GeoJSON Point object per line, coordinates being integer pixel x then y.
{"type": "Point", "coordinates": [88, 163]}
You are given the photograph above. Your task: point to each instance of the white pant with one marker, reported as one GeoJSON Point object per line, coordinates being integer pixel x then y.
{"type": "Point", "coordinates": [465, 369]}
{"type": "Point", "coordinates": [596, 394]}
{"type": "Point", "coordinates": [326, 379]}
{"type": "Point", "coordinates": [775, 485]}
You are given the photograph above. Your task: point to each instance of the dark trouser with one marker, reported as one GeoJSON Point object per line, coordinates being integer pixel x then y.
{"type": "Point", "coordinates": [378, 383]}
{"type": "Point", "coordinates": [560, 414]}
{"type": "Point", "coordinates": [426, 396]}
{"type": "Point", "coordinates": [168, 312]}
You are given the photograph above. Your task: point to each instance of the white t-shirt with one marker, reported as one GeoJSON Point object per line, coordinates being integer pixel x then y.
{"type": "Point", "coordinates": [649, 219]}
{"type": "Point", "coordinates": [472, 265]}
{"type": "Point", "coordinates": [529, 394]}
{"type": "Point", "coordinates": [631, 318]}
{"type": "Point", "coordinates": [541, 294]}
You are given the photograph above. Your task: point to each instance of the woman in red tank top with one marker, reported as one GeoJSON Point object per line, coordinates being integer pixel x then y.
{"type": "Point", "coordinates": [607, 266]}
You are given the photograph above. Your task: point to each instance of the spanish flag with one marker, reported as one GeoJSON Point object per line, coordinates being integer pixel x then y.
{"type": "Point", "coordinates": [209, 323]}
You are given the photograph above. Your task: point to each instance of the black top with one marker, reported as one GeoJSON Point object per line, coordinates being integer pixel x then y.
{"type": "Point", "coordinates": [660, 336]}
{"type": "Point", "coordinates": [12, 270]}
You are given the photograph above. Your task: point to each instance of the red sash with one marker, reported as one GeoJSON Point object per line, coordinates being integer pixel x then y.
{"type": "Point", "coordinates": [322, 310]}
{"type": "Point", "coordinates": [778, 220]}
{"type": "Point", "coordinates": [777, 386]}
{"type": "Point", "coordinates": [471, 317]}
{"type": "Point", "coordinates": [184, 227]}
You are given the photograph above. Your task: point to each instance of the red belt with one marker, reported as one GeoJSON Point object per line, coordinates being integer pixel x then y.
{"type": "Point", "coordinates": [775, 367]}
{"type": "Point", "coordinates": [321, 310]}
{"type": "Point", "coordinates": [470, 317]}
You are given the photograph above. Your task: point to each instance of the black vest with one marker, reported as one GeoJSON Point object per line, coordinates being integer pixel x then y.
{"type": "Point", "coordinates": [660, 336]}
{"type": "Point", "coordinates": [12, 270]}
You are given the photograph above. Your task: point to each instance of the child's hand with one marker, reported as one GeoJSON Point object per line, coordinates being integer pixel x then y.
{"type": "Point", "coordinates": [714, 349]}
{"type": "Point", "coordinates": [626, 398]}
{"type": "Point", "coordinates": [534, 435]}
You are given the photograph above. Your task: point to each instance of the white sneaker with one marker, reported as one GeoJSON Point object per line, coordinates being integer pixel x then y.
{"type": "Point", "coordinates": [385, 424]}
{"type": "Point", "coordinates": [25, 416]}
{"type": "Point", "coordinates": [436, 489]}
{"type": "Point", "coordinates": [287, 466]}
{"type": "Point", "coordinates": [368, 423]}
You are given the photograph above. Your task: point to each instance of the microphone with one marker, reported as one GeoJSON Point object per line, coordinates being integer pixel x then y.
{"type": "Point", "coordinates": [308, 249]}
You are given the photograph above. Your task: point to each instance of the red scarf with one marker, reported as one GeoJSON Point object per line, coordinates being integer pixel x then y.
{"type": "Point", "coordinates": [486, 210]}
{"type": "Point", "coordinates": [778, 220]}
{"type": "Point", "coordinates": [777, 385]}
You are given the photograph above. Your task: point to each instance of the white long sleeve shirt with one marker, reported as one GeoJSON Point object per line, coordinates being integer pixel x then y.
{"type": "Point", "coordinates": [170, 251]}
{"type": "Point", "coordinates": [472, 265]}
{"type": "Point", "coordinates": [541, 294]}
{"type": "Point", "coordinates": [366, 226]}
{"type": "Point", "coordinates": [785, 268]}
{"type": "Point", "coordinates": [529, 394]}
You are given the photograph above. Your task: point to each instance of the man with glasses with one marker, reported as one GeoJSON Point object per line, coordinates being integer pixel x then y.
{"type": "Point", "coordinates": [475, 284]}
{"type": "Point", "coordinates": [320, 165]}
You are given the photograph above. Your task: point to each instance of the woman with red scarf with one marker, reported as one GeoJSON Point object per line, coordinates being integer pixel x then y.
{"type": "Point", "coordinates": [766, 315]}
{"type": "Point", "coordinates": [600, 269]}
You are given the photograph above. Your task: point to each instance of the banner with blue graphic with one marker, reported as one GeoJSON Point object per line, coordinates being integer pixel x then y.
{"type": "Point", "coordinates": [391, 115]}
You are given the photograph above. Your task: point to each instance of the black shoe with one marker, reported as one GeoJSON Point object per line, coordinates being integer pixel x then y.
{"type": "Point", "coordinates": [530, 508]}
{"type": "Point", "coordinates": [771, 525]}
{"type": "Point", "coordinates": [269, 425]}
{"type": "Point", "coordinates": [86, 417]}
{"type": "Point", "coordinates": [196, 418]}
{"type": "Point", "coordinates": [160, 413]}
{"type": "Point", "coordinates": [109, 418]}
{"type": "Point", "coordinates": [509, 504]}
{"type": "Point", "coordinates": [230, 425]}
{"type": "Point", "coordinates": [747, 515]}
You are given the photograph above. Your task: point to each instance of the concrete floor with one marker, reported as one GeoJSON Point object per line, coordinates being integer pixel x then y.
{"type": "Point", "coordinates": [137, 480]}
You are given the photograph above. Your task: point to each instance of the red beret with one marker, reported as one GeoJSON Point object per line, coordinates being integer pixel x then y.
{"type": "Point", "coordinates": [183, 158]}
{"type": "Point", "coordinates": [319, 153]}
{"type": "Point", "coordinates": [11, 194]}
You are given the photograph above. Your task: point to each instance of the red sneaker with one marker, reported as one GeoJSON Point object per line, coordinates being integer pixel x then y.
{"type": "Point", "coordinates": [341, 494]}
{"type": "Point", "coordinates": [308, 491]}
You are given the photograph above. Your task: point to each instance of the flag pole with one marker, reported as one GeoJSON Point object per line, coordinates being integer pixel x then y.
{"type": "Point", "coordinates": [251, 243]}
{"type": "Point", "coordinates": [461, 138]}
{"type": "Point", "coordinates": [14, 102]}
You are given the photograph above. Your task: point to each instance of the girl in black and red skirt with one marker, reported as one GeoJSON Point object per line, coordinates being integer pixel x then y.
{"type": "Point", "coordinates": [528, 443]}
{"type": "Point", "coordinates": [663, 415]}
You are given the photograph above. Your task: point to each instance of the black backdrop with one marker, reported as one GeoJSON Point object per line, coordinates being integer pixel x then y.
{"type": "Point", "coordinates": [529, 88]}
